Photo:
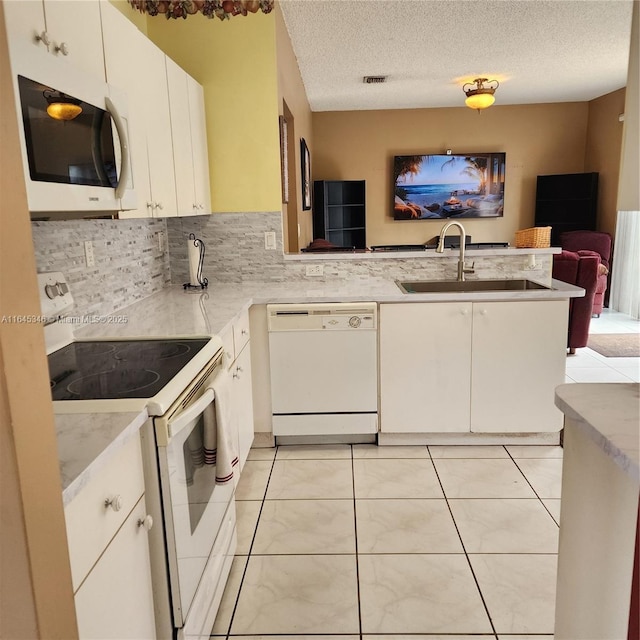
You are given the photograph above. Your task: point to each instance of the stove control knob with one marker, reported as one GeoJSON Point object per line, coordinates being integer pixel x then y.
{"type": "Point", "coordinates": [355, 321]}
{"type": "Point", "coordinates": [115, 503]}
{"type": "Point", "coordinates": [146, 523]}
{"type": "Point", "coordinates": [51, 290]}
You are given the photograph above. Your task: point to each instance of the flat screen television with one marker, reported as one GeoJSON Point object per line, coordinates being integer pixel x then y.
{"type": "Point", "coordinates": [448, 186]}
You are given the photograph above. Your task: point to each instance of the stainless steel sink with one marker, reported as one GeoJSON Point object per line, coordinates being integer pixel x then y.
{"type": "Point", "coordinates": [454, 286]}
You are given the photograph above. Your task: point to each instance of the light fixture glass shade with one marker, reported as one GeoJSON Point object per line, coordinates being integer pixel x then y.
{"type": "Point", "coordinates": [480, 101]}
{"type": "Point", "coordinates": [63, 110]}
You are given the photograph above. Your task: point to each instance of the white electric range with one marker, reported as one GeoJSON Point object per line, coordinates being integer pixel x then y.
{"type": "Point", "coordinates": [194, 540]}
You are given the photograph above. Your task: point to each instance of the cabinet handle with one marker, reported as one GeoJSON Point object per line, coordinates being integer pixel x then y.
{"type": "Point", "coordinates": [151, 205]}
{"type": "Point", "coordinates": [146, 523]}
{"type": "Point", "coordinates": [465, 312]}
{"type": "Point", "coordinates": [62, 48]}
{"type": "Point", "coordinates": [115, 503]}
{"type": "Point", "coordinates": [159, 205]}
{"type": "Point", "coordinates": [483, 312]}
{"type": "Point", "coordinates": [244, 332]}
{"type": "Point", "coordinates": [44, 38]}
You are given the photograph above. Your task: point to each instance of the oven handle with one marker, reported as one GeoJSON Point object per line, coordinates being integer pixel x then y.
{"type": "Point", "coordinates": [184, 418]}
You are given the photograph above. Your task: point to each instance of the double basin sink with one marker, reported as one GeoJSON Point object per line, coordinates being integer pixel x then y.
{"type": "Point", "coordinates": [455, 286]}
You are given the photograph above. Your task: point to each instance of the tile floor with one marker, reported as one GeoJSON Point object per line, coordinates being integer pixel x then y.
{"type": "Point", "coordinates": [378, 543]}
{"type": "Point", "coordinates": [368, 541]}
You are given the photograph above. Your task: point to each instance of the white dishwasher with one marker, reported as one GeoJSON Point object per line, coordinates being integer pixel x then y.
{"type": "Point", "coordinates": [324, 369]}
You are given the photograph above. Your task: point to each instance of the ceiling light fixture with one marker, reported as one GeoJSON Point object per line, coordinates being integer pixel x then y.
{"type": "Point", "coordinates": [61, 106]}
{"type": "Point", "coordinates": [478, 96]}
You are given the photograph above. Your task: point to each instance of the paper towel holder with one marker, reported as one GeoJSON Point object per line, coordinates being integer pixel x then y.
{"type": "Point", "coordinates": [201, 282]}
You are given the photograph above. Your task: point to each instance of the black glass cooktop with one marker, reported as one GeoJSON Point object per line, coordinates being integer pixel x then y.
{"type": "Point", "coordinates": [107, 370]}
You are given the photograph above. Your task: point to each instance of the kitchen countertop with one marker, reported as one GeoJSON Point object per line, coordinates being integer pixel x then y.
{"type": "Point", "coordinates": [85, 441]}
{"type": "Point", "coordinates": [609, 414]}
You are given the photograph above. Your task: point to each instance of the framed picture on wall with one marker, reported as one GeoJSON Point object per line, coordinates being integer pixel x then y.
{"type": "Point", "coordinates": [306, 175]}
{"type": "Point", "coordinates": [284, 160]}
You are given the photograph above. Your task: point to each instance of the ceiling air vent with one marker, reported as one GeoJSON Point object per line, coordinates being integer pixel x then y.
{"type": "Point", "coordinates": [374, 79]}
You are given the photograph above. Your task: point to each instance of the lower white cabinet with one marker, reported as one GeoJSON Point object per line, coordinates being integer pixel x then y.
{"type": "Point", "coordinates": [116, 600]}
{"type": "Point", "coordinates": [107, 529]}
{"type": "Point", "coordinates": [472, 367]}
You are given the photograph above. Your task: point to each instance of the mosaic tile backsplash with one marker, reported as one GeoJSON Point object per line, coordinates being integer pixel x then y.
{"type": "Point", "coordinates": [129, 265]}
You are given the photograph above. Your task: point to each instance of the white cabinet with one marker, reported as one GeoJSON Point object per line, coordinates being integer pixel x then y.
{"type": "Point", "coordinates": [519, 358]}
{"type": "Point", "coordinates": [425, 360]}
{"type": "Point", "coordinates": [188, 129]}
{"type": "Point", "coordinates": [68, 29]}
{"type": "Point", "coordinates": [109, 550]}
{"type": "Point", "coordinates": [237, 348]}
{"type": "Point", "coordinates": [471, 367]}
{"type": "Point", "coordinates": [133, 63]}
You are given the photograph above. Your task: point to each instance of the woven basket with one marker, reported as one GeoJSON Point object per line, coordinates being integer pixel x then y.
{"type": "Point", "coordinates": [534, 238]}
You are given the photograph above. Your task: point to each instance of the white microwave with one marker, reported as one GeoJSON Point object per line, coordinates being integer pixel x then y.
{"type": "Point", "coordinates": [74, 136]}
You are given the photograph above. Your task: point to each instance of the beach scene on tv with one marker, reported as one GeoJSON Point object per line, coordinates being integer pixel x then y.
{"type": "Point", "coordinates": [448, 186]}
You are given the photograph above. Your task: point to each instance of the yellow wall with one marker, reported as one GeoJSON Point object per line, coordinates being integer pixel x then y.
{"type": "Point", "coordinates": [291, 90]}
{"type": "Point", "coordinates": [538, 139]}
{"type": "Point", "coordinates": [604, 143]}
{"type": "Point", "coordinates": [235, 61]}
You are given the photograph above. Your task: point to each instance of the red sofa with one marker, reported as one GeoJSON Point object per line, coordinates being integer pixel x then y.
{"type": "Point", "coordinates": [588, 243]}
{"type": "Point", "coordinates": [581, 271]}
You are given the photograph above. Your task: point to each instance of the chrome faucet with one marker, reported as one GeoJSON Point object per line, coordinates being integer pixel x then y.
{"type": "Point", "coordinates": [462, 268]}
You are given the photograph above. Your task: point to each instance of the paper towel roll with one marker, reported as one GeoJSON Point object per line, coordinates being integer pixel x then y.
{"type": "Point", "coordinates": [194, 259]}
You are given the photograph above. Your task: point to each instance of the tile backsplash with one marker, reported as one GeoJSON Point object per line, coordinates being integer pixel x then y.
{"type": "Point", "coordinates": [129, 264]}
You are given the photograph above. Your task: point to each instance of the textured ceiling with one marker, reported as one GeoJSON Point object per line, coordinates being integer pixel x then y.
{"type": "Point", "coordinates": [539, 50]}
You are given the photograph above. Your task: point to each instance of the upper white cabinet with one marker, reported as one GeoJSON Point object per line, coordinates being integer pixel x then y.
{"type": "Point", "coordinates": [135, 64]}
{"type": "Point", "coordinates": [471, 367]}
{"type": "Point", "coordinates": [190, 155]}
{"type": "Point", "coordinates": [68, 29]}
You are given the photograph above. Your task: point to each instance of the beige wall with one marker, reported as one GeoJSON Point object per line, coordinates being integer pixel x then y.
{"type": "Point", "coordinates": [538, 139]}
{"type": "Point", "coordinates": [291, 90]}
{"type": "Point", "coordinates": [36, 597]}
{"type": "Point", "coordinates": [602, 154]}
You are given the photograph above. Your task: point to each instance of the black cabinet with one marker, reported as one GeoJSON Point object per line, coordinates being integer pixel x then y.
{"type": "Point", "coordinates": [339, 212]}
{"type": "Point", "coordinates": [567, 202]}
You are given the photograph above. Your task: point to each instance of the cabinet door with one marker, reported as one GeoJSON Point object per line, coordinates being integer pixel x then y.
{"type": "Point", "coordinates": [181, 134]}
{"type": "Point", "coordinates": [116, 599]}
{"type": "Point", "coordinates": [25, 21]}
{"type": "Point", "coordinates": [425, 365]}
{"type": "Point", "coordinates": [243, 402]}
{"type": "Point", "coordinates": [519, 357]}
{"type": "Point", "coordinates": [199, 146]}
{"type": "Point", "coordinates": [125, 69]}
{"type": "Point", "coordinates": [75, 28]}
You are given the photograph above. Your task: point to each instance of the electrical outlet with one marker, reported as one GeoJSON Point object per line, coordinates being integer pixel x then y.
{"type": "Point", "coordinates": [270, 240]}
{"type": "Point", "coordinates": [88, 254]}
{"type": "Point", "coordinates": [160, 235]}
{"type": "Point", "coordinates": [315, 270]}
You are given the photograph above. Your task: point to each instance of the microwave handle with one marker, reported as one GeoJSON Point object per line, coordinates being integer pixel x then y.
{"type": "Point", "coordinates": [191, 412]}
{"type": "Point", "coordinates": [125, 169]}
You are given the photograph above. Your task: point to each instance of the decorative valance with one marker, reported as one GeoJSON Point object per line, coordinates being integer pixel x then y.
{"type": "Point", "coordinates": [223, 9]}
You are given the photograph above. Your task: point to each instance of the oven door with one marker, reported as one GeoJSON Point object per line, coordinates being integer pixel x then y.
{"type": "Point", "coordinates": [194, 505]}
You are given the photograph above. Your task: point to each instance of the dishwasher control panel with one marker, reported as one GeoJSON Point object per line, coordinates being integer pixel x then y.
{"type": "Point", "coordinates": [322, 317]}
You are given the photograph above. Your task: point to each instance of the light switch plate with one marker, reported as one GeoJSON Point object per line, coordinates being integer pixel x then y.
{"type": "Point", "coordinates": [88, 254]}
{"type": "Point", "coordinates": [315, 270]}
{"type": "Point", "coordinates": [270, 240]}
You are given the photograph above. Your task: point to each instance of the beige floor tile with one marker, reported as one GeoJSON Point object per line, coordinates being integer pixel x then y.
{"type": "Point", "coordinates": [247, 512]}
{"type": "Point", "coordinates": [306, 527]}
{"type": "Point", "coordinates": [298, 595]}
{"type": "Point", "coordinates": [521, 637]}
{"type": "Point", "coordinates": [553, 504]}
{"type": "Point", "coordinates": [419, 594]}
{"type": "Point", "coordinates": [482, 478]}
{"type": "Point", "coordinates": [314, 452]}
{"type": "Point", "coordinates": [545, 476]}
{"type": "Point", "coordinates": [314, 637]}
{"type": "Point", "coordinates": [467, 451]}
{"type": "Point", "coordinates": [229, 597]}
{"type": "Point", "coordinates": [408, 478]}
{"type": "Point", "coordinates": [505, 526]}
{"type": "Point", "coordinates": [415, 636]}
{"type": "Point", "coordinates": [535, 451]}
{"type": "Point", "coordinates": [262, 454]}
{"type": "Point", "coordinates": [309, 479]}
{"type": "Point", "coordinates": [253, 480]}
{"type": "Point", "coordinates": [406, 526]}
{"type": "Point", "coordinates": [519, 591]}
{"type": "Point", "coordinates": [401, 451]}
